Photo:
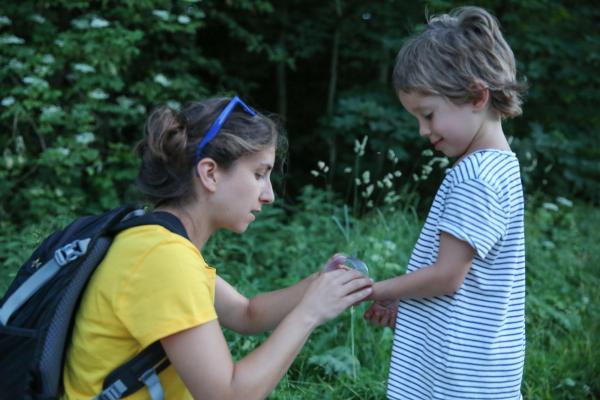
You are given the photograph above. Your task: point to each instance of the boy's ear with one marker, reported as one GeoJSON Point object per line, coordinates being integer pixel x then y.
{"type": "Point", "coordinates": [482, 96]}
{"type": "Point", "coordinates": [206, 171]}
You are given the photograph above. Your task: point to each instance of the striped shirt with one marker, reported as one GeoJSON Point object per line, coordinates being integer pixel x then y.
{"type": "Point", "coordinates": [470, 345]}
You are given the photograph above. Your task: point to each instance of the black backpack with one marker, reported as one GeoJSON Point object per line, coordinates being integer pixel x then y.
{"type": "Point", "coordinates": [37, 311]}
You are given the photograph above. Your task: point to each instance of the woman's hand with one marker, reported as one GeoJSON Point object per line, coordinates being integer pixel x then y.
{"type": "Point", "coordinates": [382, 313]}
{"type": "Point", "coordinates": [333, 292]}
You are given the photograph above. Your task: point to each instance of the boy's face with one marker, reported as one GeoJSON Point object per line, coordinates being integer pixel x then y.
{"type": "Point", "coordinates": [452, 129]}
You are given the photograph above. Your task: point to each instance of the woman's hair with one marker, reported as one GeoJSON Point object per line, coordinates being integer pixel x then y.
{"type": "Point", "coordinates": [170, 139]}
{"type": "Point", "coordinates": [454, 52]}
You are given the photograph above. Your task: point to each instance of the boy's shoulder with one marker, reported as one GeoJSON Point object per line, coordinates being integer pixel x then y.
{"type": "Point", "coordinates": [493, 167]}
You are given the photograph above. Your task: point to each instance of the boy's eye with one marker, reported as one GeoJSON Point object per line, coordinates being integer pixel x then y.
{"type": "Point", "coordinates": [428, 116]}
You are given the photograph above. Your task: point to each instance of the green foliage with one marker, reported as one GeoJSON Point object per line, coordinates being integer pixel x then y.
{"type": "Point", "coordinates": [563, 303]}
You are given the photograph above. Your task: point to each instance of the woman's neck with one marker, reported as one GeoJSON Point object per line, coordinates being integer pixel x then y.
{"type": "Point", "coordinates": [191, 217]}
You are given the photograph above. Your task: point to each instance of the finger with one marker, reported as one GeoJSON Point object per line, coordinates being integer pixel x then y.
{"type": "Point", "coordinates": [357, 296]}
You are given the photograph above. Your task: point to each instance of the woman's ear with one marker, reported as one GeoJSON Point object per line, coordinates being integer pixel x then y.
{"type": "Point", "coordinates": [206, 171]}
{"type": "Point", "coordinates": [481, 97]}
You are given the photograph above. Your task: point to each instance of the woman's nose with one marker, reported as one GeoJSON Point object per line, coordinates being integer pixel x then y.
{"type": "Point", "coordinates": [267, 196]}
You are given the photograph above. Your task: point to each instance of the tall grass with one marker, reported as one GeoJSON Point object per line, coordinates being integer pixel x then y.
{"type": "Point", "coordinates": [563, 296]}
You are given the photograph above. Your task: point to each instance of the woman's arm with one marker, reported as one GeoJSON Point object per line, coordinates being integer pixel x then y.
{"type": "Point", "coordinates": [442, 278]}
{"type": "Point", "coordinates": [261, 313]}
{"type": "Point", "coordinates": [202, 359]}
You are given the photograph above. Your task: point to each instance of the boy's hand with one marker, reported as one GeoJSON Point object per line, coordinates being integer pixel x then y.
{"type": "Point", "coordinates": [382, 313]}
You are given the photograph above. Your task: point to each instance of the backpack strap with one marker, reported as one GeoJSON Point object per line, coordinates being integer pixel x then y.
{"type": "Point", "coordinates": [143, 369]}
{"type": "Point", "coordinates": [62, 256]}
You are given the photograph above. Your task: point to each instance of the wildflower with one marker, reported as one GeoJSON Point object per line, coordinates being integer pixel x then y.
{"type": "Point", "coordinates": [321, 164]}
{"type": "Point", "coordinates": [366, 177]}
{"type": "Point", "coordinates": [357, 182]}
{"type": "Point", "coordinates": [84, 68]}
{"type": "Point", "coordinates": [174, 104]}
{"type": "Point", "coordinates": [368, 191]}
{"type": "Point", "coordinates": [183, 19]}
{"type": "Point", "coordinates": [550, 206]}
{"type": "Point", "coordinates": [98, 94]}
{"type": "Point", "coordinates": [38, 18]}
{"type": "Point", "coordinates": [162, 80]}
{"type": "Point", "coordinates": [162, 14]}
{"type": "Point", "coordinates": [35, 81]}
{"type": "Point", "coordinates": [391, 155]}
{"type": "Point", "coordinates": [11, 39]}
{"type": "Point", "coordinates": [4, 20]}
{"type": "Point", "coordinates": [314, 173]}
{"type": "Point", "coordinates": [347, 170]}
{"type": "Point", "coordinates": [51, 111]}
{"type": "Point", "coordinates": [370, 204]}
{"type": "Point", "coordinates": [397, 174]}
{"type": "Point", "coordinates": [427, 152]}
{"type": "Point", "coordinates": [564, 201]}
{"type": "Point", "coordinates": [99, 23]}
{"type": "Point", "coordinates": [8, 101]}
{"type": "Point", "coordinates": [48, 59]}
{"type": "Point", "coordinates": [85, 138]}
{"type": "Point", "coordinates": [415, 177]}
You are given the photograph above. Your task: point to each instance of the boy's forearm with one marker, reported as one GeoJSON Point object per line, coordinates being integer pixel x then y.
{"type": "Point", "coordinates": [425, 282]}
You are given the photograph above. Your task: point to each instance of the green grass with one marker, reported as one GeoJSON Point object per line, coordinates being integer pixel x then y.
{"type": "Point", "coordinates": [563, 296]}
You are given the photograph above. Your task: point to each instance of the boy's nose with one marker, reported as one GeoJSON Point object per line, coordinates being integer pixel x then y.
{"type": "Point", "coordinates": [424, 130]}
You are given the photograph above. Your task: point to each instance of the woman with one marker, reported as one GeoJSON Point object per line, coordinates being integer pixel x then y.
{"type": "Point", "coordinates": [207, 167]}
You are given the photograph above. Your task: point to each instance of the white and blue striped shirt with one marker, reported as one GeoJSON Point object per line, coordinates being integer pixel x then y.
{"type": "Point", "coordinates": [470, 345]}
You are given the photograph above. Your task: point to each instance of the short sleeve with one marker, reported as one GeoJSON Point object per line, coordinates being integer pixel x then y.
{"type": "Point", "coordinates": [170, 290]}
{"type": "Point", "coordinates": [473, 213]}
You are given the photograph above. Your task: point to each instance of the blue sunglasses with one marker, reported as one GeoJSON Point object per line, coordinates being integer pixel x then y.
{"type": "Point", "coordinates": [218, 124]}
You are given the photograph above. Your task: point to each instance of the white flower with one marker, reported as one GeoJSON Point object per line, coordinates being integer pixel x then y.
{"type": "Point", "coordinates": [85, 138]}
{"type": "Point", "coordinates": [397, 174]}
{"type": "Point", "coordinates": [379, 184]}
{"type": "Point", "coordinates": [4, 20]}
{"type": "Point", "coordinates": [162, 80]}
{"type": "Point", "coordinates": [357, 182]}
{"type": "Point", "coordinates": [15, 64]}
{"type": "Point", "coordinates": [347, 170]}
{"type": "Point", "coordinates": [51, 111]}
{"type": "Point", "coordinates": [564, 201]}
{"type": "Point", "coordinates": [80, 23]}
{"type": "Point", "coordinates": [63, 151]}
{"type": "Point", "coordinates": [174, 104]}
{"type": "Point", "coordinates": [99, 23]}
{"type": "Point", "coordinates": [183, 19]}
{"type": "Point", "coordinates": [366, 177]}
{"type": "Point", "coordinates": [550, 206]}
{"type": "Point", "coordinates": [321, 164]}
{"type": "Point", "coordinates": [98, 94]}
{"type": "Point", "coordinates": [391, 155]}
{"type": "Point", "coordinates": [48, 59]}
{"type": "Point", "coordinates": [8, 101]}
{"type": "Point", "coordinates": [427, 152]}
{"type": "Point", "coordinates": [35, 81]}
{"type": "Point", "coordinates": [162, 14]}
{"type": "Point", "coordinates": [84, 68]}
{"type": "Point", "coordinates": [314, 173]}
{"type": "Point", "coordinates": [38, 18]}
{"type": "Point", "coordinates": [11, 39]}
{"type": "Point", "coordinates": [59, 43]}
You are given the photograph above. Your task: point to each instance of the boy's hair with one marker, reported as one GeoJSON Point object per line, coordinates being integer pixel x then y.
{"type": "Point", "coordinates": [454, 52]}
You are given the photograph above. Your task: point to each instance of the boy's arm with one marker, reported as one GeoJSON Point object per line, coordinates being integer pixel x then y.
{"type": "Point", "coordinates": [442, 278]}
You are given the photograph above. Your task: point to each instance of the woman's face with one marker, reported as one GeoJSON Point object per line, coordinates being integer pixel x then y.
{"type": "Point", "coordinates": [243, 189]}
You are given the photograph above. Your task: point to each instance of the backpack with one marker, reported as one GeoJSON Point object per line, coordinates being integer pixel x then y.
{"type": "Point", "coordinates": [37, 311]}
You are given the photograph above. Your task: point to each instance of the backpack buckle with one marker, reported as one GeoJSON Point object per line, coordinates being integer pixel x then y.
{"type": "Point", "coordinates": [71, 251]}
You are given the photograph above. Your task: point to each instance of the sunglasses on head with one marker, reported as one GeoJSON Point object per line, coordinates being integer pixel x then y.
{"type": "Point", "coordinates": [218, 124]}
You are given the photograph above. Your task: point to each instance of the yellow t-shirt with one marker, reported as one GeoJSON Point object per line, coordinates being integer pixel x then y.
{"type": "Point", "coordinates": [152, 283]}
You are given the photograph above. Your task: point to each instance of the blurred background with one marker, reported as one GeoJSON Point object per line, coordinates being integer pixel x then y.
{"type": "Point", "coordinates": [78, 79]}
